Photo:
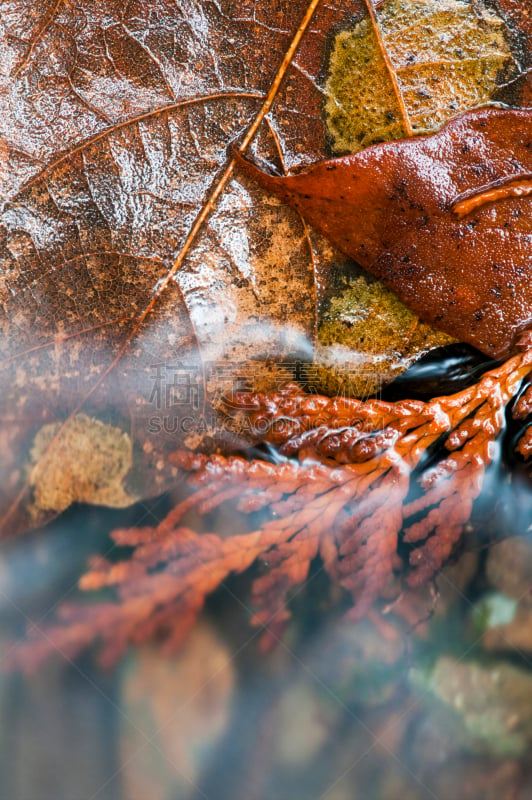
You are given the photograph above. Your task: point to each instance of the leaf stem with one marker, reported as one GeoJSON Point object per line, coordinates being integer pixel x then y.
{"type": "Point", "coordinates": [390, 67]}
{"type": "Point", "coordinates": [264, 109]}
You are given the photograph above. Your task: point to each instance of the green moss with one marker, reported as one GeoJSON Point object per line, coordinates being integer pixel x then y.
{"type": "Point", "coordinates": [357, 117]}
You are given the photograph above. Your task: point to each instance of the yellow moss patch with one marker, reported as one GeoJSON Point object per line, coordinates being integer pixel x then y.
{"type": "Point", "coordinates": [85, 461]}
{"type": "Point", "coordinates": [367, 337]}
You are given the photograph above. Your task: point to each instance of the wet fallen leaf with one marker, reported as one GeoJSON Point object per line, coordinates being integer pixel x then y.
{"type": "Point", "coordinates": [140, 276]}
{"type": "Point", "coordinates": [367, 336]}
{"type": "Point", "coordinates": [120, 302]}
{"type": "Point", "coordinates": [459, 250]}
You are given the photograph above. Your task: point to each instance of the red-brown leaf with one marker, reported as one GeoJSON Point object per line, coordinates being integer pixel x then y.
{"type": "Point", "coordinates": [445, 221]}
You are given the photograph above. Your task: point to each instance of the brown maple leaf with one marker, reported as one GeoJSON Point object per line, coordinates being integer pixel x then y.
{"type": "Point", "coordinates": [120, 268]}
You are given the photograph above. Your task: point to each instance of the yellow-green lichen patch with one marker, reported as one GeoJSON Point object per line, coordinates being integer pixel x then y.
{"type": "Point", "coordinates": [448, 56]}
{"type": "Point", "coordinates": [83, 461]}
{"type": "Point", "coordinates": [367, 337]}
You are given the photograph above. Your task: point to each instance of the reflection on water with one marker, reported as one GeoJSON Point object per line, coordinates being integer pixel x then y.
{"type": "Point", "coordinates": [428, 697]}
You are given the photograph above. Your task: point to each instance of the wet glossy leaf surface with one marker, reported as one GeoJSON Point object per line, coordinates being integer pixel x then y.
{"type": "Point", "coordinates": [127, 299]}
{"type": "Point", "coordinates": [459, 250]}
{"type": "Point", "coordinates": [121, 314]}
{"type": "Point", "coordinates": [117, 124]}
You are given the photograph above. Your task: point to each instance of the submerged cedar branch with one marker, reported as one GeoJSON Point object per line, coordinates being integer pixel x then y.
{"type": "Point", "coordinates": [345, 499]}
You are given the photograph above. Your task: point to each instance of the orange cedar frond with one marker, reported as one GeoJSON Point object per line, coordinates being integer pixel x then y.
{"type": "Point", "coordinates": [346, 500]}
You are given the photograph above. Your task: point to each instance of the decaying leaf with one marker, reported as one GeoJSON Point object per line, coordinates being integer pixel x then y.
{"type": "Point", "coordinates": [447, 57]}
{"type": "Point", "coordinates": [120, 300]}
{"type": "Point", "coordinates": [366, 338]}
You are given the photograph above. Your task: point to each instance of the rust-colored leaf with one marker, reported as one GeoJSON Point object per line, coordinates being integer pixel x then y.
{"type": "Point", "coordinates": [443, 220]}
